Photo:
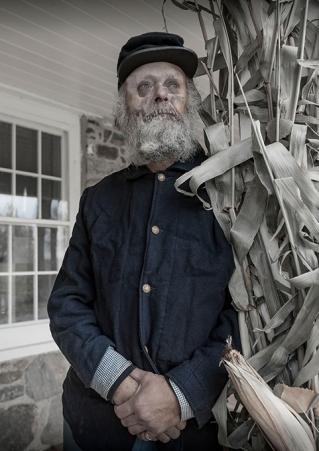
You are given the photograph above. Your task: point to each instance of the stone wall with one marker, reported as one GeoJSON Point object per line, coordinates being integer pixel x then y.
{"type": "Point", "coordinates": [30, 388]}
{"type": "Point", "coordinates": [103, 150]}
{"type": "Point", "coordinates": [30, 403]}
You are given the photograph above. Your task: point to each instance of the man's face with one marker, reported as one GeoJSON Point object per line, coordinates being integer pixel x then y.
{"type": "Point", "coordinates": [157, 110]}
{"type": "Point", "coordinates": [157, 90]}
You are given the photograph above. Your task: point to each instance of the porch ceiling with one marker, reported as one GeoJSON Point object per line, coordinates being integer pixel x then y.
{"type": "Point", "coordinates": [66, 50]}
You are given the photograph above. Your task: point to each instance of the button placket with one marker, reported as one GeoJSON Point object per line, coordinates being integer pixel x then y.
{"type": "Point", "coordinates": [147, 289]}
{"type": "Point", "coordinates": [161, 178]}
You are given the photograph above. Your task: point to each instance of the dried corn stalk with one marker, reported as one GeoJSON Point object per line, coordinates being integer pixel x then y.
{"type": "Point", "coordinates": [261, 131]}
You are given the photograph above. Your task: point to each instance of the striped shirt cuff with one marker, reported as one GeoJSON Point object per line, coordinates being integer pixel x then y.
{"type": "Point", "coordinates": [110, 368]}
{"type": "Point", "coordinates": [186, 410]}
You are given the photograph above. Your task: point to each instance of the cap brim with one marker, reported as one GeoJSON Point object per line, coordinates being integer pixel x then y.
{"type": "Point", "coordinates": [185, 58]}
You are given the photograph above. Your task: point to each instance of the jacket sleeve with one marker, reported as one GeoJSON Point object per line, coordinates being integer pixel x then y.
{"type": "Point", "coordinates": [73, 322]}
{"type": "Point", "coordinates": [202, 378]}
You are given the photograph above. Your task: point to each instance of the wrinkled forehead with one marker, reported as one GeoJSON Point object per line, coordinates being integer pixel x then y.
{"type": "Point", "coordinates": [158, 71]}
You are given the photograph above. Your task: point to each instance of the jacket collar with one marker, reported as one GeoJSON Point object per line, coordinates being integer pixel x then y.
{"type": "Point", "coordinates": [133, 172]}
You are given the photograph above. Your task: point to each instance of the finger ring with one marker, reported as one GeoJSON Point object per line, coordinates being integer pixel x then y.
{"type": "Point", "coordinates": [147, 437]}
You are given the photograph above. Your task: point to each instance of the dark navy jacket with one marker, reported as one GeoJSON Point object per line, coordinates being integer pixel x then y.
{"type": "Point", "coordinates": [178, 328]}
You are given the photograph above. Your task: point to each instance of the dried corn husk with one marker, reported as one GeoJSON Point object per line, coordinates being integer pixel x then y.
{"type": "Point", "coordinates": [283, 427]}
{"type": "Point", "coordinates": [300, 399]}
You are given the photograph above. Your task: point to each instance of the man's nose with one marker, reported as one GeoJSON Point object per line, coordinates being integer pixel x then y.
{"type": "Point", "coordinates": [161, 94]}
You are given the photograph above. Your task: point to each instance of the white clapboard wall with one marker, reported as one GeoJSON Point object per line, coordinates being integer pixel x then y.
{"type": "Point", "coordinates": [66, 50]}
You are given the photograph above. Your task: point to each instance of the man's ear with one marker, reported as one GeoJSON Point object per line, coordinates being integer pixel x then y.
{"type": "Point", "coordinates": [117, 109]}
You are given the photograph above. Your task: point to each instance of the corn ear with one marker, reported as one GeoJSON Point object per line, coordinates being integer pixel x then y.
{"type": "Point", "coordinates": [283, 428]}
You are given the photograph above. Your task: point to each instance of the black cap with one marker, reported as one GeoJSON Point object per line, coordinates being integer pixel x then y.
{"type": "Point", "coordinates": [154, 47]}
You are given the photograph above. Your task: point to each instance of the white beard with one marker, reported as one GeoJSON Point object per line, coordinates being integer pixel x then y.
{"type": "Point", "coordinates": [160, 139]}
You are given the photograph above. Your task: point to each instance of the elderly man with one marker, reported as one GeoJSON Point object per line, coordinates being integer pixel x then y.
{"type": "Point", "coordinates": [140, 306]}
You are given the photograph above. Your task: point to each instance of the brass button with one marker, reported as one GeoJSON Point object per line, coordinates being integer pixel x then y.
{"type": "Point", "coordinates": [161, 177]}
{"type": "Point", "coordinates": [146, 288]}
{"type": "Point", "coordinates": [155, 230]}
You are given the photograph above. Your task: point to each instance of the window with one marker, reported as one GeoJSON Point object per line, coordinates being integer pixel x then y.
{"type": "Point", "coordinates": [37, 206]}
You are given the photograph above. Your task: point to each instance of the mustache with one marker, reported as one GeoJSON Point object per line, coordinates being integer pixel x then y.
{"type": "Point", "coordinates": [161, 112]}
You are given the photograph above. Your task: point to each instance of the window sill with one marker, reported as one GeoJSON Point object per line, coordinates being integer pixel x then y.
{"type": "Point", "coordinates": [25, 339]}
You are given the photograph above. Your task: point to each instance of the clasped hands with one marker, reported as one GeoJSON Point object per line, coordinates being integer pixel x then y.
{"type": "Point", "coordinates": [147, 406]}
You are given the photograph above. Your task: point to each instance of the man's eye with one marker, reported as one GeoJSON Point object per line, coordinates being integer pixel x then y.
{"type": "Point", "coordinates": [144, 86]}
{"type": "Point", "coordinates": [172, 84]}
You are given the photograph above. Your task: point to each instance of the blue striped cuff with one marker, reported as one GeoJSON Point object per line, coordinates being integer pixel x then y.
{"type": "Point", "coordinates": [186, 410]}
{"type": "Point", "coordinates": [110, 368]}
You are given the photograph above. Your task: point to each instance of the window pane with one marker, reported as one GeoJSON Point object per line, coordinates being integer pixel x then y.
{"type": "Point", "coordinates": [26, 200]}
{"type": "Point", "coordinates": [27, 159]}
{"type": "Point", "coordinates": [51, 198]}
{"type": "Point", "coordinates": [52, 242]}
{"type": "Point", "coordinates": [4, 239]}
{"type": "Point", "coordinates": [6, 204]}
{"type": "Point", "coordinates": [3, 300]}
{"type": "Point", "coordinates": [5, 183]}
{"type": "Point", "coordinates": [23, 245]}
{"type": "Point", "coordinates": [44, 289]}
{"type": "Point", "coordinates": [22, 298]}
{"type": "Point", "coordinates": [51, 154]}
{"type": "Point", "coordinates": [5, 145]}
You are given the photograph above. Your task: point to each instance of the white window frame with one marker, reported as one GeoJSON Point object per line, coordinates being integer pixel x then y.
{"type": "Point", "coordinates": [19, 340]}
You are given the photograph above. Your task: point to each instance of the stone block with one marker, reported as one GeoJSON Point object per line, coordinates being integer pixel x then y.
{"type": "Point", "coordinates": [98, 168]}
{"type": "Point", "coordinates": [17, 427]}
{"type": "Point", "coordinates": [44, 376]}
{"type": "Point", "coordinates": [108, 152]}
{"type": "Point", "coordinates": [11, 392]}
{"type": "Point", "coordinates": [10, 376]}
{"type": "Point", "coordinates": [57, 364]}
{"type": "Point", "coordinates": [12, 370]}
{"type": "Point", "coordinates": [106, 134]}
{"type": "Point", "coordinates": [117, 139]}
{"type": "Point", "coordinates": [53, 431]}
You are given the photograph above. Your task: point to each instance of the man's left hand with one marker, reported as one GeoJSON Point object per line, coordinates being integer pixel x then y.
{"type": "Point", "coordinates": [154, 407]}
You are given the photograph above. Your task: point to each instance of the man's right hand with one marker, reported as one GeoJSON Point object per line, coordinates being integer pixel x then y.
{"type": "Point", "coordinates": [170, 434]}
{"type": "Point", "coordinates": [125, 390]}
